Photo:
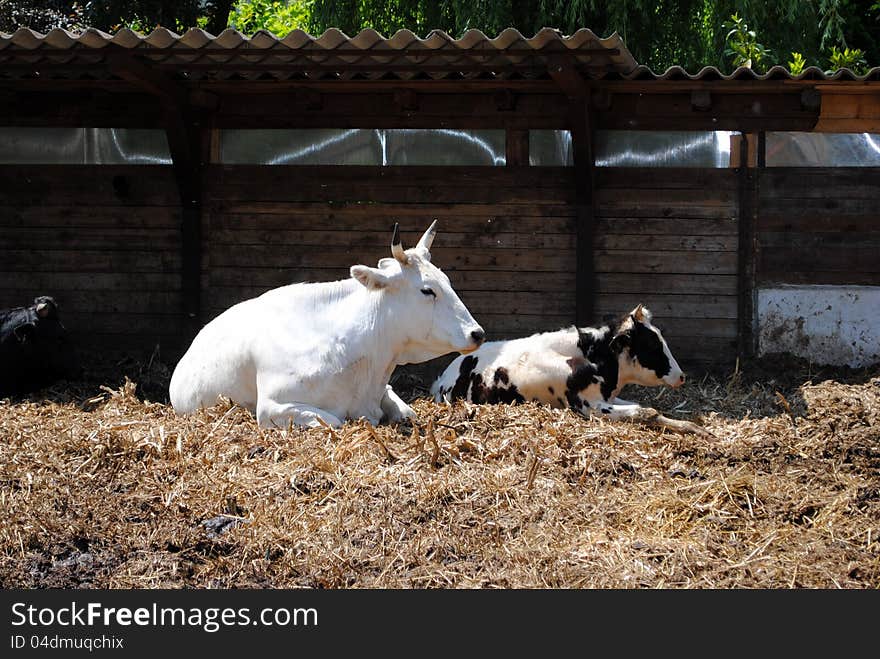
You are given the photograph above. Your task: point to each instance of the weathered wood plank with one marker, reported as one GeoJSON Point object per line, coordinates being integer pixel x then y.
{"type": "Point", "coordinates": [697, 179]}
{"type": "Point", "coordinates": [123, 323]}
{"type": "Point", "coordinates": [368, 211]}
{"type": "Point", "coordinates": [828, 258]}
{"type": "Point", "coordinates": [102, 301]}
{"type": "Point", "coordinates": [92, 238]}
{"type": "Point", "coordinates": [363, 239]}
{"type": "Point", "coordinates": [373, 192]}
{"type": "Point", "coordinates": [818, 276]}
{"type": "Point", "coordinates": [67, 185]}
{"type": "Point", "coordinates": [693, 263]}
{"type": "Point", "coordinates": [382, 220]}
{"type": "Point", "coordinates": [811, 220]}
{"type": "Point", "coordinates": [820, 239]}
{"type": "Point", "coordinates": [63, 260]}
{"type": "Point", "coordinates": [266, 179]}
{"type": "Point", "coordinates": [818, 181]}
{"type": "Point", "coordinates": [665, 242]}
{"type": "Point", "coordinates": [725, 226]}
{"type": "Point", "coordinates": [670, 306]}
{"type": "Point", "coordinates": [801, 207]}
{"type": "Point", "coordinates": [171, 343]}
{"type": "Point", "coordinates": [667, 283]}
{"type": "Point", "coordinates": [90, 281]}
{"type": "Point", "coordinates": [660, 197]}
{"type": "Point", "coordinates": [91, 216]}
{"type": "Point", "coordinates": [343, 104]}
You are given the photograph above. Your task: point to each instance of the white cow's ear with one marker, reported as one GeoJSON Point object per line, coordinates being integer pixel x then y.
{"type": "Point", "coordinates": [372, 278]}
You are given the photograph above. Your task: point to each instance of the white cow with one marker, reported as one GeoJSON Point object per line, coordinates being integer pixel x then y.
{"type": "Point", "coordinates": [321, 353]}
{"type": "Point", "coordinates": [583, 369]}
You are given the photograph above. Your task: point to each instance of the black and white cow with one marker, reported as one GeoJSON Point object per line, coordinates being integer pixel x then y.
{"type": "Point", "coordinates": [35, 348]}
{"type": "Point", "coordinates": [582, 368]}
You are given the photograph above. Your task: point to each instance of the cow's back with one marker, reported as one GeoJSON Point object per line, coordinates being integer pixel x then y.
{"type": "Point", "coordinates": [285, 333]}
{"type": "Point", "coordinates": [219, 362]}
{"type": "Point", "coordinates": [518, 369]}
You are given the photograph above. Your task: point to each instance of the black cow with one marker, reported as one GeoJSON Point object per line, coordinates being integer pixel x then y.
{"type": "Point", "coordinates": [35, 349]}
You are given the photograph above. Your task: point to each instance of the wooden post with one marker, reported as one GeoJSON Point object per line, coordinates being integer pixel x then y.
{"type": "Point", "coordinates": [748, 245]}
{"type": "Point", "coordinates": [517, 147]}
{"type": "Point", "coordinates": [582, 130]}
{"type": "Point", "coordinates": [581, 122]}
{"type": "Point", "coordinates": [188, 147]}
{"type": "Point", "coordinates": [185, 143]}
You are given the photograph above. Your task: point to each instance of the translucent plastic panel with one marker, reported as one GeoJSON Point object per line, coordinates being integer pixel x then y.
{"type": "Point", "coordinates": [319, 146]}
{"type": "Point", "coordinates": [127, 146]}
{"type": "Point", "coordinates": [84, 146]}
{"type": "Point", "coordinates": [550, 148]}
{"type": "Point", "coordinates": [823, 149]}
{"type": "Point", "coordinates": [363, 146]}
{"type": "Point", "coordinates": [640, 148]}
{"type": "Point", "coordinates": [440, 146]}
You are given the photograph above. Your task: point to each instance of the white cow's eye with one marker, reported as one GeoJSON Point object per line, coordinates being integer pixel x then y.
{"type": "Point", "coordinates": [428, 291]}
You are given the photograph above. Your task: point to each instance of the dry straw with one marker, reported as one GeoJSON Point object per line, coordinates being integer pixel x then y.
{"type": "Point", "coordinates": [101, 488]}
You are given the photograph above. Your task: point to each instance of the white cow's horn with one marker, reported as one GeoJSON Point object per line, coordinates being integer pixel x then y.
{"type": "Point", "coordinates": [396, 246]}
{"type": "Point", "coordinates": [427, 238]}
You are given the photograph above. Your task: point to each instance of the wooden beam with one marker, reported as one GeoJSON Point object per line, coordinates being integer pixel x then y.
{"type": "Point", "coordinates": [849, 113]}
{"type": "Point", "coordinates": [149, 79]}
{"type": "Point", "coordinates": [185, 141]}
{"type": "Point", "coordinates": [517, 148]}
{"type": "Point", "coordinates": [747, 256]}
{"type": "Point", "coordinates": [582, 126]}
{"type": "Point", "coordinates": [189, 153]}
{"type": "Point", "coordinates": [568, 78]}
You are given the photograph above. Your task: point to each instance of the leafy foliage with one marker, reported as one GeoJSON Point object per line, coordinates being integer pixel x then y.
{"type": "Point", "coordinates": [796, 64]}
{"type": "Point", "coordinates": [852, 59]}
{"type": "Point", "coordinates": [742, 44]}
{"type": "Point", "coordinates": [276, 16]}
{"type": "Point", "coordinates": [42, 17]}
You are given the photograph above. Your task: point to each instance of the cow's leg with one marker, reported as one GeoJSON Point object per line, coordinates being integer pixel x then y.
{"type": "Point", "coordinates": [393, 408]}
{"type": "Point", "coordinates": [279, 415]}
{"type": "Point", "coordinates": [620, 403]}
{"type": "Point", "coordinates": [621, 409]}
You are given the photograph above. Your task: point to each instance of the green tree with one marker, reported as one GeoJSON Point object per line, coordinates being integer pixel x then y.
{"type": "Point", "coordinates": [659, 33]}
{"type": "Point", "coordinates": [111, 15]}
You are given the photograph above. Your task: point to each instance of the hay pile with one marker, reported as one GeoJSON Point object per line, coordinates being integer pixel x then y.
{"type": "Point", "coordinates": [101, 488]}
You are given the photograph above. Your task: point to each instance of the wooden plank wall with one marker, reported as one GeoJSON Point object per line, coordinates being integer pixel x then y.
{"type": "Point", "coordinates": [667, 237]}
{"type": "Point", "coordinates": [103, 240]}
{"type": "Point", "coordinates": [506, 235]}
{"type": "Point", "coordinates": [818, 225]}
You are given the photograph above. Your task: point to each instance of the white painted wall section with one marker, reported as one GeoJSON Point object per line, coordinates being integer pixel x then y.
{"type": "Point", "coordinates": [836, 325]}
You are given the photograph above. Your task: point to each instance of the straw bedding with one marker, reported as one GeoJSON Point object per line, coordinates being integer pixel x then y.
{"type": "Point", "coordinates": [103, 486]}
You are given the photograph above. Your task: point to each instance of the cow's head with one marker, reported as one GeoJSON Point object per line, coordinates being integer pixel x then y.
{"type": "Point", "coordinates": [50, 347]}
{"type": "Point", "coordinates": [644, 356]}
{"type": "Point", "coordinates": [423, 307]}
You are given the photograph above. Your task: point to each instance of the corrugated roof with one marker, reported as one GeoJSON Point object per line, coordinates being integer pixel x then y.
{"type": "Point", "coordinates": [229, 55]}
{"type": "Point", "coordinates": [709, 73]}
{"type": "Point", "coordinates": [199, 55]}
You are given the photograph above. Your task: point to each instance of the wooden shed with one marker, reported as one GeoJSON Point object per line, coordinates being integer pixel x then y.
{"type": "Point", "coordinates": [149, 182]}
